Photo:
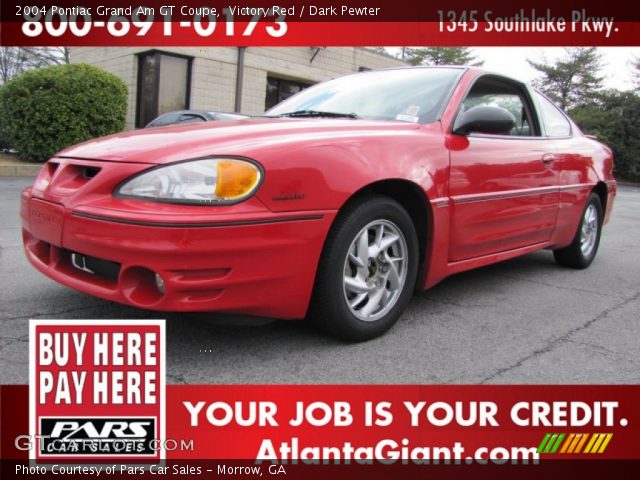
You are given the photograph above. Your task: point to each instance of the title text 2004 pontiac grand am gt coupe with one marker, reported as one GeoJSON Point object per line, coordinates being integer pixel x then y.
{"type": "Point", "coordinates": [336, 205]}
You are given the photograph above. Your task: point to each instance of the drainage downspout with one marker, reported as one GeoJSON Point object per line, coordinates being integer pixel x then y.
{"type": "Point", "coordinates": [239, 78]}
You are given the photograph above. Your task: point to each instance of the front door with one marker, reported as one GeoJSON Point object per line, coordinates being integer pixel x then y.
{"type": "Point", "coordinates": [503, 188]}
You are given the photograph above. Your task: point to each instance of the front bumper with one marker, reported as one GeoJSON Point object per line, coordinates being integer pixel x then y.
{"type": "Point", "coordinates": [264, 267]}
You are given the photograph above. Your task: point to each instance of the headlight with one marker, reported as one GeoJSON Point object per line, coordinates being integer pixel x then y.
{"type": "Point", "coordinates": [212, 180]}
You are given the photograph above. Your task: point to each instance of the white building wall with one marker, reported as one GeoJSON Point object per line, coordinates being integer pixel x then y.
{"type": "Point", "coordinates": [213, 80]}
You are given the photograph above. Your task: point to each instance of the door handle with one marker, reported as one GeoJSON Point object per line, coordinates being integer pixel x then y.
{"type": "Point", "coordinates": [548, 158]}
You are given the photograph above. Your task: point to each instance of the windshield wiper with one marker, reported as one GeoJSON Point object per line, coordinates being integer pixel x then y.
{"type": "Point", "coordinates": [318, 113]}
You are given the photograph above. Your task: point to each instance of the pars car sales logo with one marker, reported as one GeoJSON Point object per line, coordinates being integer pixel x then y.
{"type": "Point", "coordinates": [97, 390]}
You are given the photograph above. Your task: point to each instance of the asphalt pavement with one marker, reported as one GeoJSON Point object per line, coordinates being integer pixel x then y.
{"type": "Point", "coordinates": [522, 321]}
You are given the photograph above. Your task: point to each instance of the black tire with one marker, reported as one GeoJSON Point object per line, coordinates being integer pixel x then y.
{"type": "Point", "coordinates": [573, 256]}
{"type": "Point", "coordinates": [329, 308]}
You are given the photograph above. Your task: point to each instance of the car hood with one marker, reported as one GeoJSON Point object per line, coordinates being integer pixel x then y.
{"type": "Point", "coordinates": [235, 137]}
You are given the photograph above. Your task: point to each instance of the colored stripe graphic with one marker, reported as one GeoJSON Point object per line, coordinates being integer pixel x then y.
{"type": "Point", "coordinates": [579, 437]}
{"type": "Point", "coordinates": [543, 443]}
{"type": "Point", "coordinates": [596, 446]}
{"type": "Point", "coordinates": [555, 447]}
{"type": "Point", "coordinates": [600, 443]}
{"type": "Point", "coordinates": [603, 447]}
{"type": "Point", "coordinates": [592, 440]}
{"type": "Point", "coordinates": [555, 443]}
{"type": "Point", "coordinates": [570, 439]}
{"type": "Point", "coordinates": [581, 442]}
{"type": "Point", "coordinates": [550, 443]}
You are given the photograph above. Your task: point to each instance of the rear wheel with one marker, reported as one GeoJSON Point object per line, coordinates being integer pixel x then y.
{"type": "Point", "coordinates": [368, 270]}
{"type": "Point", "coordinates": [585, 244]}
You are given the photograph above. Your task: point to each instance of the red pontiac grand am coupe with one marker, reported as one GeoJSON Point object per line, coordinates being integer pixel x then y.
{"type": "Point", "coordinates": [336, 205]}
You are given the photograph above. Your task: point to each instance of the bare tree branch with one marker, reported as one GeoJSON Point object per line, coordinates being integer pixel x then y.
{"type": "Point", "coordinates": [45, 56]}
{"type": "Point", "coordinates": [15, 60]}
{"type": "Point", "coordinates": [12, 63]}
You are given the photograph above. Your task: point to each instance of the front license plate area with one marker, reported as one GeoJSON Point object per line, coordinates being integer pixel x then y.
{"type": "Point", "coordinates": [46, 220]}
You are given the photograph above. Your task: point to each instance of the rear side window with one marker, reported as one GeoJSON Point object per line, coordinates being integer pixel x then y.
{"type": "Point", "coordinates": [556, 124]}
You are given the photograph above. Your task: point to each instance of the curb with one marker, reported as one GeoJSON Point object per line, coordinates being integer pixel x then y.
{"type": "Point", "coordinates": [19, 170]}
{"type": "Point", "coordinates": [627, 183]}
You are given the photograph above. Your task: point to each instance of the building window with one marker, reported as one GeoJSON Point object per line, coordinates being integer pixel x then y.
{"type": "Point", "coordinates": [164, 84]}
{"type": "Point", "coordinates": [279, 89]}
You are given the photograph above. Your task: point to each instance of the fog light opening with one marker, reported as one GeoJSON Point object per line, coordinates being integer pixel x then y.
{"type": "Point", "coordinates": [141, 286]}
{"type": "Point", "coordinates": [159, 283]}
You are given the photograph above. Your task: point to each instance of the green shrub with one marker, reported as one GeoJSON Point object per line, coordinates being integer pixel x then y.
{"type": "Point", "coordinates": [5, 142]}
{"type": "Point", "coordinates": [48, 109]}
{"type": "Point", "coordinates": [615, 119]}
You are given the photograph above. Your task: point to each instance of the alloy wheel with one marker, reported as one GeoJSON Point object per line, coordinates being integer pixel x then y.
{"type": "Point", "coordinates": [589, 230]}
{"type": "Point", "coordinates": [375, 270]}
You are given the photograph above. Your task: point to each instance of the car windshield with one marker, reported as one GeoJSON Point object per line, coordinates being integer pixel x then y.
{"type": "Point", "coordinates": [411, 94]}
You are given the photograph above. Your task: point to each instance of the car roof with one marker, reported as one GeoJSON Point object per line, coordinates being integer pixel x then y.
{"type": "Point", "coordinates": [414, 67]}
{"type": "Point", "coordinates": [228, 113]}
{"type": "Point", "coordinates": [195, 111]}
{"type": "Point", "coordinates": [173, 112]}
{"type": "Point", "coordinates": [469, 68]}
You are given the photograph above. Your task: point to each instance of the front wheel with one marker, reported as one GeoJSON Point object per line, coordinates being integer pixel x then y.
{"type": "Point", "coordinates": [585, 244]}
{"type": "Point", "coordinates": [368, 270]}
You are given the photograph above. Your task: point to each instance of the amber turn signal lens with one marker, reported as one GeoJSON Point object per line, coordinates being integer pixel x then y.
{"type": "Point", "coordinates": [236, 178]}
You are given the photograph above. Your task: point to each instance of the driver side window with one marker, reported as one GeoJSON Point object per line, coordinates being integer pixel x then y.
{"type": "Point", "coordinates": [493, 92]}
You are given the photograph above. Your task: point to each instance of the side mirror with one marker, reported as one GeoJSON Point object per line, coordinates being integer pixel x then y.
{"type": "Point", "coordinates": [484, 119]}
